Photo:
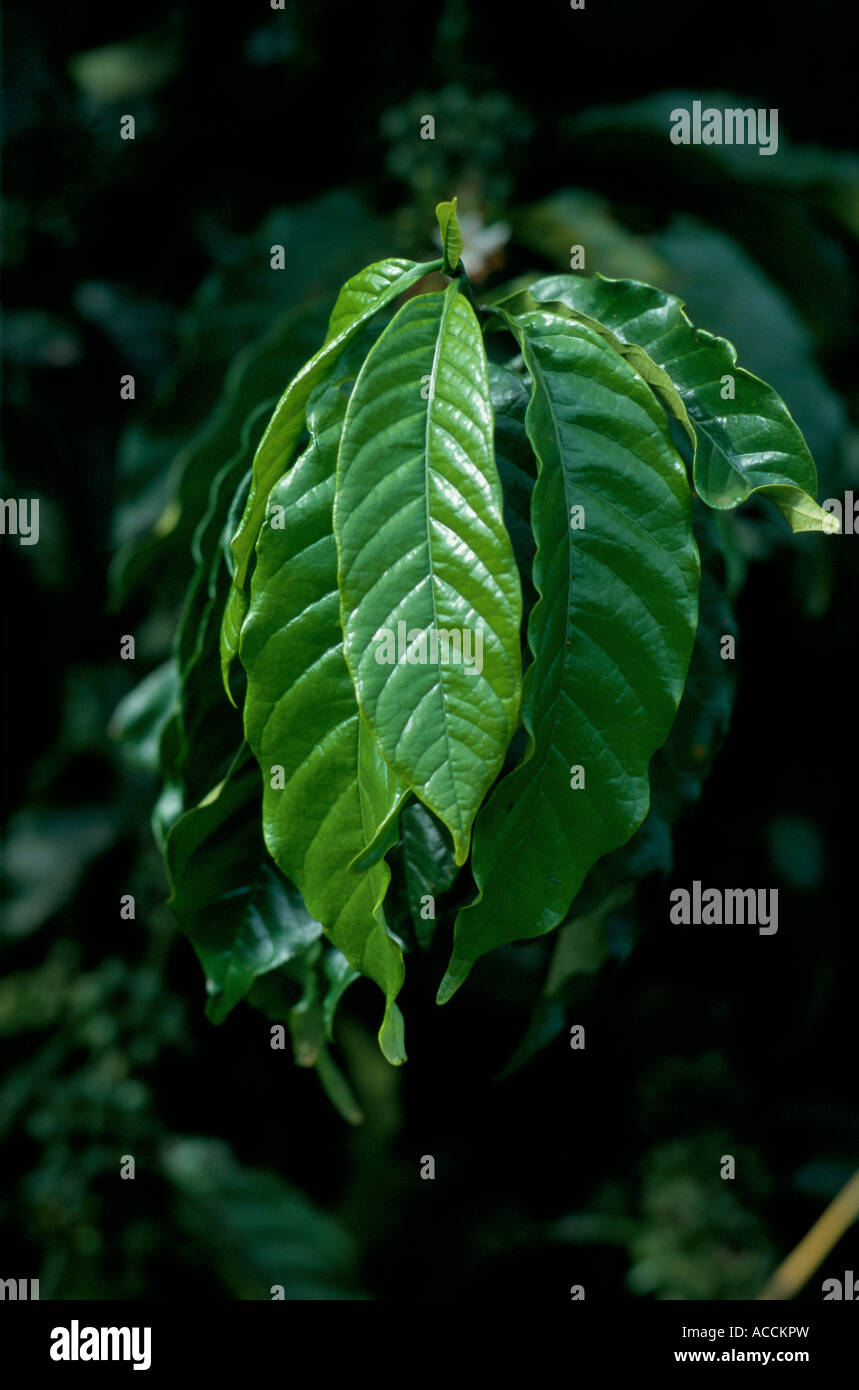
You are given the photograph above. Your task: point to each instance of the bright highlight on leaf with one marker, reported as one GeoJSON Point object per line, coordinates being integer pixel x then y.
{"type": "Point", "coordinates": [616, 569]}
{"type": "Point", "coordinates": [744, 438]}
{"type": "Point", "coordinates": [359, 300]}
{"type": "Point", "coordinates": [430, 594]}
{"type": "Point", "coordinates": [301, 716]}
{"type": "Point", "coordinates": [412, 524]}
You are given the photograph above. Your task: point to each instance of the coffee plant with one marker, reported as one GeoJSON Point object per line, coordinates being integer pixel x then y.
{"type": "Point", "coordinates": [449, 493]}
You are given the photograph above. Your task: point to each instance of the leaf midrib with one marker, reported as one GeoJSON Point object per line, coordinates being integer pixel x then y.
{"type": "Point", "coordinates": [447, 306]}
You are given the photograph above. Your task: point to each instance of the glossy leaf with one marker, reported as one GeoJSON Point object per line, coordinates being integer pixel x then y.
{"type": "Point", "coordinates": [431, 601]}
{"type": "Point", "coordinates": [385, 794]}
{"type": "Point", "coordinates": [240, 914]}
{"type": "Point", "coordinates": [744, 444]}
{"type": "Point", "coordinates": [611, 635]}
{"type": "Point", "coordinates": [360, 298]}
{"type": "Point", "coordinates": [301, 716]}
{"type": "Point", "coordinates": [677, 774]}
{"type": "Point", "coordinates": [429, 867]}
{"type": "Point", "coordinates": [720, 284]}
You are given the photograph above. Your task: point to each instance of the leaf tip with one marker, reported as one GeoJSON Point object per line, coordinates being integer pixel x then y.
{"type": "Point", "coordinates": [461, 844]}
{"type": "Point", "coordinates": [392, 1038]}
{"type": "Point", "coordinates": [225, 675]}
{"type": "Point", "coordinates": [457, 974]}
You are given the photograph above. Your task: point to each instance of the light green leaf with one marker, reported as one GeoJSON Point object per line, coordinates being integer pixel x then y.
{"type": "Point", "coordinates": [241, 916]}
{"type": "Point", "coordinates": [431, 600]}
{"type": "Point", "coordinates": [235, 612]}
{"type": "Point", "coordinates": [451, 237]}
{"type": "Point", "coordinates": [611, 635]}
{"type": "Point", "coordinates": [360, 298]}
{"type": "Point", "coordinates": [743, 444]}
{"type": "Point", "coordinates": [301, 715]}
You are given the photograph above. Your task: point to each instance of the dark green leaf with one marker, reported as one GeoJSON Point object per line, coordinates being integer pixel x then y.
{"type": "Point", "coordinates": [677, 774]}
{"type": "Point", "coordinates": [611, 635]}
{"type": "Point", "coordinates": [744, 443]}
{"type": "Point", "coordinates": [240, 914]}
{"type": "Point", "coordinates": [428, 864]}
{"type": "Point", "coordinates": [339, 975]}
{"type": "Point", "coordinates": [139, 719]}
{"type": "Point", "coordinates": [255, 1229]}
{"type": "Point", "coordinates": [517, 469]}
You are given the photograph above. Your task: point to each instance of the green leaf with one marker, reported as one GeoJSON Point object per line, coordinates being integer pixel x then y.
{"type": "Point", "coordinates": [384, 794]}
{"type": "Point", "coordinates": [139, 719]}
{"type": "Point", "coordinates": [429, 867]}
{"type": "Point", "coordinates": [720, 284]}
{"type": "Point", "coordinates": [337, 1089]}
{"type": "Point", "coordinates": [677, 774]}
{"type": "Point", "coordinates": [184, 463]}
{"type": "Point", "coordinates": [268, 325]}
{"type": "Point", "coordinates": [360, 298]}
{"type": "Point", "coordinates": [579, 955]}
{"type": "Point", "coordinates": [306, 1024]}
{"type": "Point", "coordinates": [681, 767]}
{"type": "Point", "coordinates": [301, 715]}
{"type": "Point", "coordinates": [745, 444]}
{"type": "Point", "coordinates": [241, 916]}
{"type": "Point", "coordinates": [611, 635]}
{"type": "Point", "coordinates": [255, 1230]}
{"type": "Point", "coordinates": [208, 733]}
{"type": "Point", "coordinates": [451, 237]}
{"type": "Point", "coordinates": [339, 975]}
{"type": "Point", "coordinates": [425, 562]}
{"type": "Point", "coordinates": [517, 469]}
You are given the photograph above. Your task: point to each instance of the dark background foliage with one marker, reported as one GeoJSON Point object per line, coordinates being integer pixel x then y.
{"type": "Point", "coordinates": [151, 257]}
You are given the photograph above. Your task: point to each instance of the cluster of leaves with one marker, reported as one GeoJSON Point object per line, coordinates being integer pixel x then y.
{"type": "Point", "coordinates": [541, 503]}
